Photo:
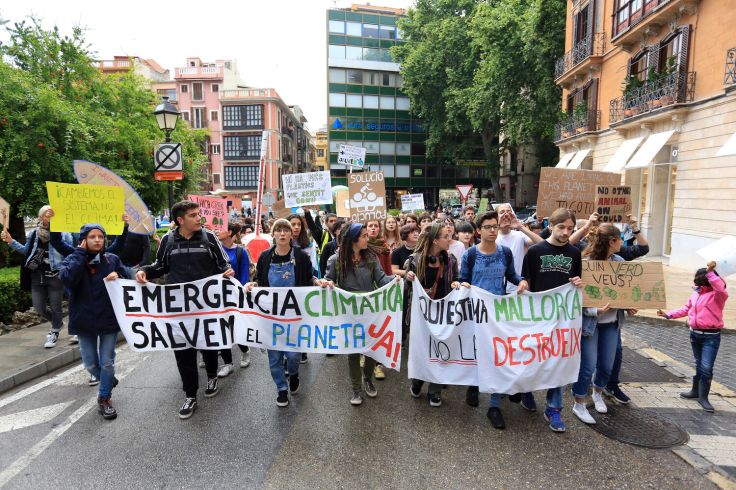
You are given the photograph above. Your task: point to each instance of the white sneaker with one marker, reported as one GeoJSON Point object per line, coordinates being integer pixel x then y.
{"type": "Point", "coordinates": [245, 359]}
{"type": "Point", "coordinates": [600, 405]}
{"type": "Point", "coordinates": [582, 413]}
{"type": "Point", "coordinates": [226, 370]}
{"type": "Point", "coordinates": [51, 339]}
{"type": "Point", "coordinates": [73, 340]}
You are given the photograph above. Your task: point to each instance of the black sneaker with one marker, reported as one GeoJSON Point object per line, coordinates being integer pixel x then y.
{"type": "Point", "coordinates": [187, 410]}
{"type": "Point", "coordinates": [115, 381]}
{"type": "Point", "coordinates": [212, 388]}
{"type": "Point", "coordinates": [515, 398]}
{"type": "Point", "coordinates": [106, 409]}
{"type": "Point", "coordinates": [434, 400]}
{"type": "Point", "coordinates": [617, 394]}
{"type": "Point", "coordinates": [282, 400]}
{"type": "Point", "coordinates": [496, 418]}
{"type": "Point", "coordinates": [416, 388]}
{"type": "Point", "coordinates": [471, 396]}
{"type": "Point", "coordinates": [369, 388]}
{"type": "Point", "coordinates": [294, 383]}
{"type": "Point", "coordinates": [303, 359]}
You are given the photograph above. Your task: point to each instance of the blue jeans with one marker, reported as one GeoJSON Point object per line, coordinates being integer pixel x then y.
{"type": "Point", "coordinates": [98, 356]}
{"type": "Point", "coordinates": [615, 378]}
{"type": "Point", "coordinates": [495, 400]}
{"type": "Point", "coordinates": [276, 363]}
{"type": "Point", "coordinates": [597, 353]}
{"type": "Point", "coordinates": [554, 398]}
{"type": "Point", "coordinates": [705, 349]}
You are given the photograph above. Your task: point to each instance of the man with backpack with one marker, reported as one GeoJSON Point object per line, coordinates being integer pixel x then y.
{"type": "Point", "coordinates": [189, 253]}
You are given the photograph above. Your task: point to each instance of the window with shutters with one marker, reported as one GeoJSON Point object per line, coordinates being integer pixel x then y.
{"type": "Point", "coordinates": [215, 178]}
{"type": "Point", "coordinates": [242, 147]}
{"type": "Point", "coordinates": [215, 149]}
{"type": "Point", "coordinates": [184, 89]}
{"type": "Point", "coordinates": [581, 24]}
{"type": "Point", "coordinates": [197, 92]}
{"type": "Point", "coordinates": [214, 116]}
{"type": "Point", "coordinates": [241, 176]}
{"type": "Point", "coordinates": [215, 87]}
{"type": "Point", "coordinates": [242, 116]}
{"type": "Point", "coordinates": [198, 117]}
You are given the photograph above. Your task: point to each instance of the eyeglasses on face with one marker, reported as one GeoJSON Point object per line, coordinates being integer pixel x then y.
{"type": "Point", "coordinates": [489, 227]}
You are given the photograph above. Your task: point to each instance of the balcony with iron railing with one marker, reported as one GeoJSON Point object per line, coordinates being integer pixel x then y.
{"type": "Point", "coordinates": [249, 93]}
{"type": "Point", "coordinates": [579, 122]}
{"type": "Point", "coordinates": [200, 72]}
{"type": "Point", "coordinates": [654, 97]}
{"type": "Point", "coordinates": [729, 78]}
{"type": "Point", "coordinates": [629, 23]}
{"type": "Point", "coordinates": [581, 57]}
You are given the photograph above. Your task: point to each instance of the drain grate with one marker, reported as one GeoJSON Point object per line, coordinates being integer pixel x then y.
{"type": "Point", "coordinates": [639, 427]}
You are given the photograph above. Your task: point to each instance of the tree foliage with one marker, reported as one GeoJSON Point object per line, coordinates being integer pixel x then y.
{"type": "Point", "coordinates": [55, 107]}
{"type": "Point", "coordinates": [481, 73]}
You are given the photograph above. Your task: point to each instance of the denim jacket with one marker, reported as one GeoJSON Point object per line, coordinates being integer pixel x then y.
{"type": "Point", "coordinates": [55, 258]}
{"type": "Point", "coordinates": [590, 315]}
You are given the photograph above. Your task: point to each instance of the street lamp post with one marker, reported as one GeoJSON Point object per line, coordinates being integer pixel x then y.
{"type": "Point", "coordinates": [166, 117]}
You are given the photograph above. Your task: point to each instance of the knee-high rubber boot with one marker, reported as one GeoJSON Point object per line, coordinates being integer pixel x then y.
{"type": "Point", "coordinates": [694, 391]}
{"type": "Point", "coordinates": [703, 398]}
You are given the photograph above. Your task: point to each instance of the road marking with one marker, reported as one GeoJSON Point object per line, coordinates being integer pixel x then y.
{"type": "Point", "coordinates": [19, 464]}
{"type": "Point", "coordinates": [35, 416]}
{"type": "Point", "coordinates": [43, 384]}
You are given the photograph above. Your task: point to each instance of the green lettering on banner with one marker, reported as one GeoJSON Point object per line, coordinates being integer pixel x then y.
{"type": "Point", "coordinates": [307, 300]}
{"type": "Point", "coordinates": [348, 304]}
{"type": "Point", "coordinates": [501, 307]}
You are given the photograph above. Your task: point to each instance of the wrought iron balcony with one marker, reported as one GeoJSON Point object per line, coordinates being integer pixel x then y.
{"type": "Point", "coordinates": [672, 89]}
{"type": "Point", "coordinates": [577, 123]}
{"type": "Point", "coordinates": [730, 76]}
{"type": "Point", "coordinates": [593, 45]}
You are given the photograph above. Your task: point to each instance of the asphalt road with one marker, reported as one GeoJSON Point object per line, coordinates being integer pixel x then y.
{"type": "Point", "coordinates": [240, 438]}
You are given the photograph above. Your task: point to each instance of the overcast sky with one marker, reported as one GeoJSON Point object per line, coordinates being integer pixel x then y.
{"type": "Point", "coordinates": [277, 43]}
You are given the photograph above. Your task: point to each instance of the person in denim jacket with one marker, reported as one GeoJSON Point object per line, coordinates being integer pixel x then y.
{"type": "Point", "coordinates": [601, 328]}
{"type": "Point", "coordinates": [704, 311]}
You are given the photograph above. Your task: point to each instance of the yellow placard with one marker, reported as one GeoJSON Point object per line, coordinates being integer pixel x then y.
{"type": "Point", "coordinates": [75, 205]}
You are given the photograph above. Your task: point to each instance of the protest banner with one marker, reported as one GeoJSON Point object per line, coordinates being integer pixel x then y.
{"type": "Point", "coordinates": [502, 344]}
{"type": "Point", "coordinates": [342, 203]}
{"type": "Point", "coordinates": [352, 156]}
{"type": "Point", "coordinates": [213, 211]}
{"type": "Point", "coordinates": [75, 205]}
{"type": "Point", "coordinates": [140, 220]}
{"type": "Point", "coordinates": [412, 202]}
{"type": "Point", "coordinates": [307, 189]}
{"type": "Point", "coordinates": [571, 188]}
{"type": "Point", "coordinates": [723, 252]}
{"type": "Point", "coordinates": [280, 210]}
{"type": "Point", "coordinates": [4, 213]}
{"type": "Point", "coordinates": [367, 196]}
{"type": "Point", "coordinates": [215, 312]}
{"type": "Point", "coordinates": [613, 203]}
{"type": "Point", "coordinates": [623, 284]}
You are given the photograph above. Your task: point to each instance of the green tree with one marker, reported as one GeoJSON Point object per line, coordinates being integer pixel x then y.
{"type": "Point", "coordinates": [55, 107]}
{"type": "Point", "coordinates": [481, 73]}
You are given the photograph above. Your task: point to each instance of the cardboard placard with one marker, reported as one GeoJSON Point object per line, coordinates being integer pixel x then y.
{"type": "Point", "coordinates": [213, 211]}
{"type": "Point", "coordinates": [367, 196]}
{"type": "Point", "coordinates": [637, 285]}
{"type": "Point", "coordinates": [280, 210]}
{"type": "Point", "coordinates": [75, 205]}
{"type": "Point", "coordinates": [572, 189]}
{"type": "Point", "coordinates": [4, 213]}
{"type": "Point", "coordinates": [613, 203]}
{"type": "Point", "coordinates": [307, 188]}
{"type": "Point", "coordinates": [342, 203]}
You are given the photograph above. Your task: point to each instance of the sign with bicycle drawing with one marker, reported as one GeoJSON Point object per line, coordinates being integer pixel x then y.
{"type": "Point", "coordinates": [367, 196]}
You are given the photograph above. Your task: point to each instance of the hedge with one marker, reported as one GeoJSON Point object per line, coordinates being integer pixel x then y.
{"type": "Point", "coordinates": [12, 299]}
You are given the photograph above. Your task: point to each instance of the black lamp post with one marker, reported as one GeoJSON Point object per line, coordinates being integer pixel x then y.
{"type": "Point", "coordinates": [166, 116]}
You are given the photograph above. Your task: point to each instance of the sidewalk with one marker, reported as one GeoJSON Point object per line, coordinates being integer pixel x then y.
{"type": "Point", "coordinates": [679, 286]}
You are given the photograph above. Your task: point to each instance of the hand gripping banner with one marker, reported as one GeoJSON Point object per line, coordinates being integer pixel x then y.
{"type": "Point", "coordinates": [503, 344]}
{"type": "Point", "coordinates": [215, 312]}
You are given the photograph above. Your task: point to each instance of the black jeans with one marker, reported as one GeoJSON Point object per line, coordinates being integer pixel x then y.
{"type": "Point", "coordinates": [227, 354]}
{"type": "Point", "coordinates": [186, 361]}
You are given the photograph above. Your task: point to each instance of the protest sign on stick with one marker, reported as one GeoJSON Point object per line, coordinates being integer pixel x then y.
{"type": "Point", "coordinates": [623, 284]}
{"type": "Point", "coordinates": [613, 203]}
{"type": "Point", "coordinates": [342, 203]}
{"type": "Point", "coordinates": [572, 189]}
{"type": "Point", "coordinates": [723, 252]}
{"type": "Point", "coordinates": [367, 196]}
{"type": "Point", "coordinates": [307, 189]}
{"type": "Point", "coordinates": [280, 210]}
{"type": "Point", "coordinates": [75, 205]}
{"type": "Point", "coordinates": [213, 211]}
{"type": "Point", "coordinates": [412, 202]}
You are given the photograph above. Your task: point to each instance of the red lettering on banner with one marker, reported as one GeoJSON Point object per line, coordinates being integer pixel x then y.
{"type": "Point", "coordinates": [529, 350]}
{"type": "Point", "coordinates": [510, 342]}
{"type": "Point", "coordinates": [562, 343]}
{"type": "Point", "coordinates": [372, 329]}
{"type": "Point", "coordinates": [496, 340]}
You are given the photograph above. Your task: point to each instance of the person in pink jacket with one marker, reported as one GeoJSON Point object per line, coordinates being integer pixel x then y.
{"type": "Point", "coordinates": [704, 311]}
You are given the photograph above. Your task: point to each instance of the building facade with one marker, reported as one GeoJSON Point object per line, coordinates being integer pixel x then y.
{"type": "Point", "coordinates": [322, 150]}
{"type": "Point", "coordinates": [649, 87]}
{"type": "Point", "coordinates": [367, 108]}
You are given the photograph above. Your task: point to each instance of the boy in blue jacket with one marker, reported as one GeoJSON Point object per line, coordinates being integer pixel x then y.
{"type": "Point", "coordinates": [91, 315]}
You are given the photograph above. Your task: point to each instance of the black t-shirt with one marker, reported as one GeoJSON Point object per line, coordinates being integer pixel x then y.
{"type": "Point", "coordinates": [399, 256]}
{"type": "Point", "coordinates": [280, 259]}
{"type": "Point", "coordinates": [547, 266]}
{"type": "Point", "coordinates": [430, 276]}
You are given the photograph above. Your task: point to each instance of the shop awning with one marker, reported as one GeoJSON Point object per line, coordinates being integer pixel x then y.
{"type": "Point", "coordinates": [649, 149]}
{"type": "Point", "coordinates": [729, 148]}
{"type": "Point", "coordinates": [622, 155]}
{"type": "Point", "coordinates": [578, 159]}
{"type": "Point", "coordinates": [565, 158]}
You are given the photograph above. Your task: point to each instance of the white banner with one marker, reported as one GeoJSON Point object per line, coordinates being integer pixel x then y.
{"type": "Point", "coordinates": [306, 189]}
{"type": "Point", "coordinates": [412, 202]}
{"type": "Point", "coordinates": [503, 344]}
{"type": "Point", "coordinates": [215, 312]}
